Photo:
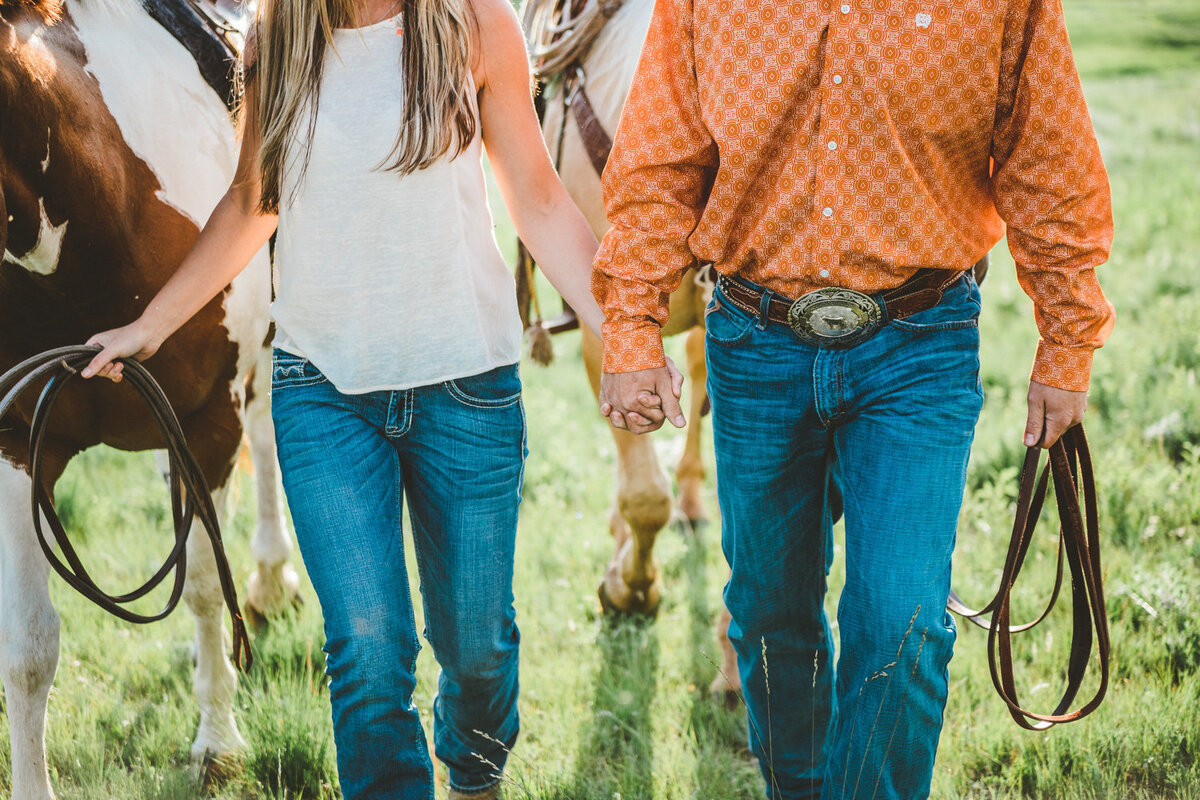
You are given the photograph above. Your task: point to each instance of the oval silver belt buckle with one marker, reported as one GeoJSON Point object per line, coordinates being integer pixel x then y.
{"type": "Point", "coordinates": [835, 317]}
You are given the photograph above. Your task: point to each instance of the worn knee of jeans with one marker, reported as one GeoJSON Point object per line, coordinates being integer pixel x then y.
{"type": "Point", "coordinates": [369, 651]}
{"type": "Point", "coordinates": [759, 611]}
{"type": "Point", "coordinates": [894, 671]}
{"type": "Point", "coordinates": [880, 634]}
{"type": "Point", "coordinates": [475, 662]}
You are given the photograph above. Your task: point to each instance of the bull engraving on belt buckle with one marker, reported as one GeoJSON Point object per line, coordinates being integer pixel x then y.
{"type": "Point", "coordinates": [835, 317]}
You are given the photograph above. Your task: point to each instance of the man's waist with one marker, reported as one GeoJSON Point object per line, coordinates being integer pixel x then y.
{"type": "Point", "coordinates": [867, 275]}
{"type": "Point", "coordinates": [837, 316]}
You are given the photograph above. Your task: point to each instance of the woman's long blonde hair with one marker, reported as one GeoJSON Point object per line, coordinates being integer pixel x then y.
{"type": "Point", "coordinates": [285, 65]}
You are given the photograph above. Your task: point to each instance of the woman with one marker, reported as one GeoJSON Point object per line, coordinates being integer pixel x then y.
{"type": "Point", "coordinates": [397, 342]}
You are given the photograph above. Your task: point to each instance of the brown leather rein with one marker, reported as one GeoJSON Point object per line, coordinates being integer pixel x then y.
{"type": "Point", "coordinates": [190, 496]}
{"type": "Point", "coordinates": [1070, 468]}
{"type": "Point", "coordinates": [560, 34]}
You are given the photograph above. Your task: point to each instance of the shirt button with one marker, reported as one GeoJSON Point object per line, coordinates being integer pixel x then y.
{"type": "Point", "coordinates": [824, 273]}
{"type": "Point", "coordinates": [827, 212]}
{"type": "Point", "coordinates": [837, 78]}
{"type": "Point", "coordinates": [832, 145]}
{"type": "Point", "coordinates": [845, 9]}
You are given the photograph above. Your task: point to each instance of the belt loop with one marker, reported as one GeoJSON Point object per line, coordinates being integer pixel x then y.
{"type": "Point", "coordinates": [764, 310]}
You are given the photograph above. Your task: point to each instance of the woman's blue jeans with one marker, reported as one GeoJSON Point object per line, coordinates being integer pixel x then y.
{"type": "Point", "coordinates": [879, 433]}
{"type": "Point", "coordinates": [456, 450]}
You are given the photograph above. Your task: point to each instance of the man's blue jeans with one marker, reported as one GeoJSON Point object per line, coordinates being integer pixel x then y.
{"type": "Point", "coordinates": [456, 450]}
{"type": "Point", "coordinates": [880, 432]}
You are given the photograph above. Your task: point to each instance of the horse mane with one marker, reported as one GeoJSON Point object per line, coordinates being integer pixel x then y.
{"type": "Point", "coordinates": [49, 10]}
{"type": "Point", "coordinates": [559, 33]}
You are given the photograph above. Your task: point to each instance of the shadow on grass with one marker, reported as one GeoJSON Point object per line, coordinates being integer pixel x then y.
{"type": "Point", "coordinates": [724, 768]}
{"type": "Point", "coordinates": [617, 754]}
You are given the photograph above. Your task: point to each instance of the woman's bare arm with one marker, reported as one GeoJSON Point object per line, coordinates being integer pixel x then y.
{"type": "Point", "coordinates": [235, 231]}
{"type": "Point", "coordinates": [547, 220]}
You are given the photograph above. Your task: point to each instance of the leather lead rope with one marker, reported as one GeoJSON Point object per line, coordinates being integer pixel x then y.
{"type": "Point", "coordinates": [190, 496]}
{"type": "Point", "coordinates": [1070, 468]}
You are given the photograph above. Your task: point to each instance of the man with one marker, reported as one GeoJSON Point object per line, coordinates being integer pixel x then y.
{"type": "Point", "coordinates": [843, 163]}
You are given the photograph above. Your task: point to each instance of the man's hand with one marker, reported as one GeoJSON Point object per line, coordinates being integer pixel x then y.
{"type": "Point", "coordinates": [640, 401]}
{"type": "Point", "coordinates": [1051, 412]}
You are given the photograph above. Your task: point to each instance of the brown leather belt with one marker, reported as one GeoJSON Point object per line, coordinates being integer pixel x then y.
{"type": "Point", "coordinates": [836, 317]}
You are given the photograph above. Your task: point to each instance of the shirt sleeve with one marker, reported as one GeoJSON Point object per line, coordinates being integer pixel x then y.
{"type": "Point", "coordinates": [1052, 191]}
{"type": "Point", "coordinates": [655, 187]}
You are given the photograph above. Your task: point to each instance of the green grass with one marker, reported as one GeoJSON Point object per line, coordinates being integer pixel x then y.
{"type": "Point", "coordinates": [618, 709]}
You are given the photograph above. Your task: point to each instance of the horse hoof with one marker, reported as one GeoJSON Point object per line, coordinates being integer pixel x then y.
{"type": "Point", "coordinates": [691, 527]}
{"type": "Point", "coordinates": [255, 619]}
{"type": "Point", "coordinates": [726, 693]}
{"type": "Point", "coordinates": [215, 771]}
{"type": "Point", "coordinates": [730, 700]}
{"type": "Point", "coordinates": [607, 604]}
{"type": "Point", "coordinates": [650, 600]}
{"type": "Point", "coordinates": [259, 620]}
{"type": "Point", "coordinates": [622, 600]}
{"type": "Point", "coordinates": [267, 599]}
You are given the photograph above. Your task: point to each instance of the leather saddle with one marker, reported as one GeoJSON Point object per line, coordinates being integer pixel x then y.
{"type": "Point", "coordinates": [213, 37]}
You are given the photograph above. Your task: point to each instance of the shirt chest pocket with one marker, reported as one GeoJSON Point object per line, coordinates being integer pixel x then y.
{"type": "Point", "coordinates": [935, 66]}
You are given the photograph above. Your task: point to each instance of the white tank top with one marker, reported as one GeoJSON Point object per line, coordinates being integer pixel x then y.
{"type": "Point", "coordinates": [386, 281]}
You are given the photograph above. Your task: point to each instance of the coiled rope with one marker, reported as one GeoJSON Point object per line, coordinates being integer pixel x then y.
{"type": "Point", "coordinates": [190, 496]}
{"type": "Point", "coordinates": [559, 32]}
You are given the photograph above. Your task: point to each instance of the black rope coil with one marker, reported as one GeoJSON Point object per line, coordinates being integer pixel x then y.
{"type": "Point", "coordinates": [190, 495]}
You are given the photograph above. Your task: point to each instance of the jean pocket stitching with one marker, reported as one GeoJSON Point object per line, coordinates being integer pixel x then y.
{"type": "Point", "coordinates": [475, 402]}
{"type": "Point", "coordinates": [741, 336]}
{"type": "Point", "coordinates": [289, 377]}
{"type": "Point", "coordinates": [949, 325]}
{"type": "Point", "coordinates": [713, 307]}
{"type": "Point", "coordinates": [734, 315]}
{"type": "Point", "coordinates": [285, 369]}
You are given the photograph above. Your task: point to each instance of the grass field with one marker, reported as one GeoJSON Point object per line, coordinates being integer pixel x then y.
{"type": "Point", "coordinates": [617, 710]}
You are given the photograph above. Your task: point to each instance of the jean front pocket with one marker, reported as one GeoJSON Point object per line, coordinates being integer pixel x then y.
{"type": "Point", "coordinates": [725, 324]}
{"type": "Point", "coordinates": [496, 388]}
{"type": "Point", "coordinates": [958, 309]}
{"type": "Point", "coordinates": [289, 370]}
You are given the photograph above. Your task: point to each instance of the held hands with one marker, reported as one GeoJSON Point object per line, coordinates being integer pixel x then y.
{"type": "Point", "coordinates": [639, 401]}
{"type": "Point", "coordinates": [1051, 412]}
{"type": "Point", "coordinates": [131, 341]}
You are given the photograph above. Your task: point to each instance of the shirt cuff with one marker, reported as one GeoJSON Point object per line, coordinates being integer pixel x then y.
{"type": "Point", "coordinates": [631, 345]}
{"type": "Point", "coordinates": [1062, 367]}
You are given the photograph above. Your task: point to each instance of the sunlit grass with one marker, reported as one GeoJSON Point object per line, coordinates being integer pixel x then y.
{"type": "Point", "coordinates": [619, 708]}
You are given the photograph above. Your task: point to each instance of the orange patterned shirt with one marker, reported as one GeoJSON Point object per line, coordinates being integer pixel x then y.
{"type": "Point", "coordinates": [848, 143]}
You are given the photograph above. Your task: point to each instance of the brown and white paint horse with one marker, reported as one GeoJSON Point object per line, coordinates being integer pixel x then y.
{"type": "Point", "coordinates": [113, 150]}
{"type": "Point", "coordinates": [643, 504]}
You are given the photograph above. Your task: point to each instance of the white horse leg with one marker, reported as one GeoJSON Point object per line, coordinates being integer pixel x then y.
{"type": "Point", "coordinates": [215, 681]}
{"type": "Point", "coordinates": [274, 585]}
{"type": "Point", "coordinates": [28, 636]}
